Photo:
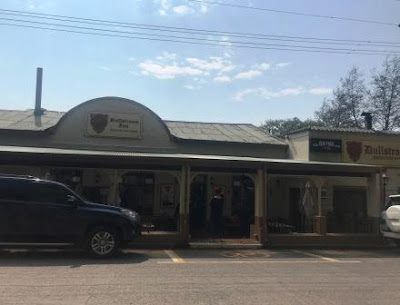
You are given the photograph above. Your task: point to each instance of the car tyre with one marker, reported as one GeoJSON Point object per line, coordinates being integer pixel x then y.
{"type": "Point", "coordinates": [102, 242]}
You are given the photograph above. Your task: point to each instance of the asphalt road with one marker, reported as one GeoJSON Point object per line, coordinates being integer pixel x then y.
{"type": "Point", "coordinates": [180, 277]}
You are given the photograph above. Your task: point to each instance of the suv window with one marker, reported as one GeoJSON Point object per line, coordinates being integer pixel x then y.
{"type": "Point", "coordinates": [13, 189]}
{"type": "Point", "coordinates": [395, 201]}
{"type": "Point", "coordinates": [48, 193]}
{"type": "Point", "coordinates": [392, 201]}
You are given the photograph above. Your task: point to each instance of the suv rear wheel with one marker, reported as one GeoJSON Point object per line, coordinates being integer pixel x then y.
{"type": "Point", "coordinates": [103, 242]}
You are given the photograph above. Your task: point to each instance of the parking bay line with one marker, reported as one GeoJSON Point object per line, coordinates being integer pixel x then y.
{"type": "Point", "coordinates": [324, 258]}
{"type": "Point", "coordinates": [238, 262]}
{"type": "Point", "coordinates": [174, 257]}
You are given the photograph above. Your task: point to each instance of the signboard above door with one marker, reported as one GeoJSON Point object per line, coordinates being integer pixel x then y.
{"type": "Point", "coordinates": [114, 125]}
{"type": "Point", "coordinates": [325, 145]}
{"type": "Point", "coordinates": [371, 152]}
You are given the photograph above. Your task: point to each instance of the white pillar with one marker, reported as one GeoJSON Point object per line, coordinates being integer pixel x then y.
{"type": "Point", "coordinates": [113, 194]}
{"type": "Point", "coordinates": [184, 202]}
{"type": "Point", "coordinates": [320, 225]}
{"type": "Point", "coordinates": [319, 212]}
{"type": "Point", "coordinates": [260, 205]}
{"type": "Point", "coordinates": [209, 194]}
{"type": "Point", "coordinates": [374, 205]}
{"type": "Point", "coordinates": [319, 183]}
{"type": "Point", "coordinates": [374, 202]}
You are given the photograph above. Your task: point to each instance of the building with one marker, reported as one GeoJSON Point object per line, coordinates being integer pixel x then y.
{"type": "Point", "coordinates": [347, 197]}
{"type": "Point", "coordinates": [116, 151]}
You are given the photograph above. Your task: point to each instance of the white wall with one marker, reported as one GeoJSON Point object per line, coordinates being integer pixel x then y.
{"type": "Point", "coordinates": [298, 146]}
{"type": "Point", "coordinates": [393, 186]}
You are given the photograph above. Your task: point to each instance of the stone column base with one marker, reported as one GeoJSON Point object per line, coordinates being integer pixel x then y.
{"type": "Point", "coordinates": [259, 230]}
{"type": "Point", "coordinates": [184, 228]}
{"type": "Point", "coordinates": [320, 225]}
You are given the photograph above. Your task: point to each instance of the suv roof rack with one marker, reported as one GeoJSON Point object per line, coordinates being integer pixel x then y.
{"type": "Point", "coordinates": [17, 176]}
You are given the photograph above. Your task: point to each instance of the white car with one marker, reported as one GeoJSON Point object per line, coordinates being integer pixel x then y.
{"type": "Point", "coordinates": [390, 222]}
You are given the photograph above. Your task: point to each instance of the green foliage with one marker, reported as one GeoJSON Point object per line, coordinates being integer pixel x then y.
{"type": "Point", "coordinates": [351, 98]}
{"type": "Point", "coordinates": [385, 95]}
{"type": "Point", "coordinates": [347, 104]}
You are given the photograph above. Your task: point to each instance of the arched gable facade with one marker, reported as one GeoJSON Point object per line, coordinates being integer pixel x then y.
{"type": "Point", "coordinates": [112, 123]}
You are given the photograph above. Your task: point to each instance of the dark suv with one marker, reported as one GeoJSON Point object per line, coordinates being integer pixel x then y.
{"type": "Point", "coordinates": [47, 213]}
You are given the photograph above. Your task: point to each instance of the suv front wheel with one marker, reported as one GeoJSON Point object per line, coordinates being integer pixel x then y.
{"type": "Point", "coordinates": [103, 242]}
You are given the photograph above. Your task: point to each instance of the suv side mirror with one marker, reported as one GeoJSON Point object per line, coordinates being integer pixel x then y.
{"type": "Point", "coordinates": [72, 199]}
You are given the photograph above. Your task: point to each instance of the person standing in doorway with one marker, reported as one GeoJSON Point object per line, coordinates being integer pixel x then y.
{"type": "Point", "coordinates": [217, 205]}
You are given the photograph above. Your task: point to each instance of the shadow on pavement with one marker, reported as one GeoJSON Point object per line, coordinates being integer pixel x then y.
{"type": "Point", "coordinates": [72, 258]}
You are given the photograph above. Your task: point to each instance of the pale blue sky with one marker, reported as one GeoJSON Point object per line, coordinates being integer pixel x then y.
{"type": "Point", "coordinates": [188, 82]}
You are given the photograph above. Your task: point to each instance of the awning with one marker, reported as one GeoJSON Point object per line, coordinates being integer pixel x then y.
{"type": "Point", "coordinates": [284, 166]}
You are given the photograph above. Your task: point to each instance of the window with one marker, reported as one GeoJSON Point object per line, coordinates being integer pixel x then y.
{"type": "Point", "coordinates": [13, 190]}
{"type": "Point", "coordinates": [393, 201]}
{"type": "Point", "coordinates": [48, 193]}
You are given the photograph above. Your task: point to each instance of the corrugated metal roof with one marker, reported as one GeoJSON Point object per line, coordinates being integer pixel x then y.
{"type": "Point", "coordinates": [346, 130]}
{"type": "Point", "coordinates": [223, 132]}
{"type": "Point", "coordinates": [26, 120]}
{"type": "Point", "coordinates": [196, 131]}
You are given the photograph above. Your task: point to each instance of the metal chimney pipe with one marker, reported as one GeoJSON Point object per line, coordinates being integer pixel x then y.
{"type": "Point", "coordinates": [38, 100]}
{"type": "Point", "coordinates": [368, 120]}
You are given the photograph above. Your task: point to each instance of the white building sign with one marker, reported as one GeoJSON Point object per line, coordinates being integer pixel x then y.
{"type": "Point", "coordinates": [114, 125]}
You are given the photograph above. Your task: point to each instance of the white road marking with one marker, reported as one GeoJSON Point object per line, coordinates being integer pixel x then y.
{"type": "Point", "coordinates": [175, 257]}
{"type": "Point", "coordinates": [262, 262]}
{"type": "Point", "coordinates": [245, 254]}
{"type": "Point", "coordinates": [328, 259]}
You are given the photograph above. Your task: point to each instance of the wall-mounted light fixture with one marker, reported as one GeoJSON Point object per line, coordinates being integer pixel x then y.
{"type": "Point", "coordinates": [385, 179]}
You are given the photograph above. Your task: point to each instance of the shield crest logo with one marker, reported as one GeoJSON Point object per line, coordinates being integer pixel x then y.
{"type": "Point", "coordinates": [98, 122]}
{"type": "Point", "coordinates": [354, 150]}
